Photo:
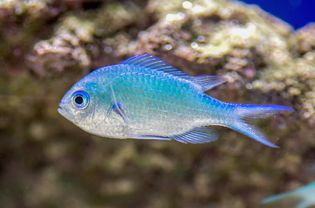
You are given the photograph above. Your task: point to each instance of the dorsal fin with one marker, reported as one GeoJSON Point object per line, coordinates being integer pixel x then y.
{"type": "Point", "coordinates": [203, 82]}
{"type": "Point", "coordinates": [207, 82]}
{"type": "Point", "coordinates": [152, 62]}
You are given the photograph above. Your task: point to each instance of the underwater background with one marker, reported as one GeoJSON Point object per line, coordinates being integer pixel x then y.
{"type": "Point", "coordinates": [46, 46]}
{"type": "Point", "coordinates": [298, 13]}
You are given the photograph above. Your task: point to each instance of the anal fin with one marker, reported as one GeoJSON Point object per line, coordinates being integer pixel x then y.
{"type": "Point", "coordinates": [198, 135]}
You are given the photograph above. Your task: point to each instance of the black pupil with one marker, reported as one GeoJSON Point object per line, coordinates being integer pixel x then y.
{"type": "Point", "coordinates": [78, 100]}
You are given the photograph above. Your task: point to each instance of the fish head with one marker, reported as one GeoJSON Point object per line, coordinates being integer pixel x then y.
{"type": "Point", "coordinates": [79, 104]}
{"type": "Point", "coordinates": [87, 103]}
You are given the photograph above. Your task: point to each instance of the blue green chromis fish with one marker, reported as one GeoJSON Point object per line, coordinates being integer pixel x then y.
{"type": "Point", "coordinates": [306, 195]}
{"type": "Point", "coordinates": [145, 98]}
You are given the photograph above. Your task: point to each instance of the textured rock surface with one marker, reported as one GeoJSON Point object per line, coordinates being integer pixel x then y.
{"type": "Point", "coordinates": [45, 161]}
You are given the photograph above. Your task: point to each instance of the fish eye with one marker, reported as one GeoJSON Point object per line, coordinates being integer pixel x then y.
{"type": "Point", "coordinates": [80, 99]}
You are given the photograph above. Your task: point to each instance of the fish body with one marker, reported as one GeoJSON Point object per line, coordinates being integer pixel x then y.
{"type": "Point", "coordinates": [146, 98]}
{"type": "Point", "coordinates": [306, 194]}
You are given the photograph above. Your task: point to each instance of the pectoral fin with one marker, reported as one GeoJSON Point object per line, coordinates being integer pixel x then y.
{"type": "Point", "coordinates": [116, 107]}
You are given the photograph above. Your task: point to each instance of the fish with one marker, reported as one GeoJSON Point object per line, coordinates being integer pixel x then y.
{"type": "Point", "coordinates": [144, 97]}
{"type": "Point", "coordinates": [306, 194]}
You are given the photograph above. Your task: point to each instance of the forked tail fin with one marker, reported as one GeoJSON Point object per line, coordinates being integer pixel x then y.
{"type": "Point", "coordinates": [249, 111]}
{"type": "Point", "coordinates": [279, 197]}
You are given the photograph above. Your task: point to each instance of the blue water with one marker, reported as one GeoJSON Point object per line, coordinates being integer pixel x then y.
{"type": "Point", "coordinates": [295, 12]}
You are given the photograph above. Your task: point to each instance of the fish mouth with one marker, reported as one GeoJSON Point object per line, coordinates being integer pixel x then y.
{"type": "Point", "coordinates": [60, 110]}
{"type": "Point", "coordinates": [64, 113]}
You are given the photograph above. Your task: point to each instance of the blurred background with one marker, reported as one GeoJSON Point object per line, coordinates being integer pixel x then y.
{"type": "Point", "coordinates": [46, 46]}
{"type": "Point", "coordinates": [298, 13]}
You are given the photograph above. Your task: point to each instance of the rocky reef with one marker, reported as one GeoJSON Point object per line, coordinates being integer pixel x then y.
{"type": "Point", "coordinates": [45, 46]}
